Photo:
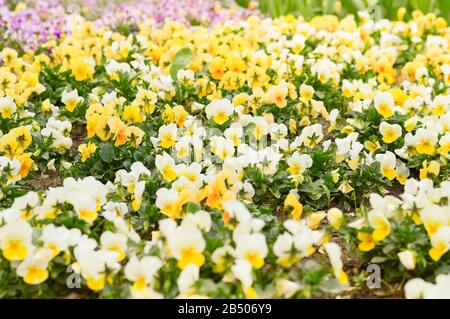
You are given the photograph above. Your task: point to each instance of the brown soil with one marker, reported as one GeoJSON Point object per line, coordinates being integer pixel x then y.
{"type": "Point", "coordinates": [41, 182]}
{"type": "Point", "coordinates": [395, 190]}
{"type": "Point", "coordinates": [78, 135]}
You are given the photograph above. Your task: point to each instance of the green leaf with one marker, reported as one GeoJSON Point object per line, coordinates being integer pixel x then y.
{"type": "Point", "coordinates": [378, 260]}
{"type": "Point", "coordinates": [328, 6]}
{"type": "Point", "coordinates": [180, 61]}
{"type": "Point", "coordinates": [320, 158]}
{"type": "Point", "coordinates": [372, 115]}
{"type": "Point", "coordinates": [138, 156]}
{"type": "Point", "coordinates": [243, 3]}
{"type": "Point", "coordinates": [444, 8]}
{"type": "Point", "coordinates": [444, 269]}
{"type": "Point", "coordinates": [192, 207]}
{"type": "Point", "coordinates": [107, 153]}
{"type": "Point", "coordinates": [388, 248]}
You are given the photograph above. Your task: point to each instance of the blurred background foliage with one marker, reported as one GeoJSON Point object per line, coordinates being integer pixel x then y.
{"type": "Point", "coordinates": [308, 8]}
{"type": "Point", "coordinates": [378, 8]}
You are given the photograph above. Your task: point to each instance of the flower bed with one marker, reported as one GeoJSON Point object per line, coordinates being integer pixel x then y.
{"type": "Point", "coordinates": [257, 157]}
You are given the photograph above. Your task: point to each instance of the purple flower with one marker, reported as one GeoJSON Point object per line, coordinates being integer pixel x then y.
{"type": "Point", "coordinates": [44, 20]}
